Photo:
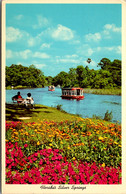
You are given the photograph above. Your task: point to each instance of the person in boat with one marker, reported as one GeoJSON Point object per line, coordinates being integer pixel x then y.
{"type": "Point", "coordinates": [52, 87]}
{"type": "Point", "coordinates": [28, 100]}
{"type": "Point", "coordinates": [17, 97]}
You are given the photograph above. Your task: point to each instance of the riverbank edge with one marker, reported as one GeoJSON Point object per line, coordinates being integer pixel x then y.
{"type": "Point", "coordinates": [111, 91]}
{"type": "Point", "coordinates": [62, 115]}
{"type": "Point", "coordinates": [38, 112]}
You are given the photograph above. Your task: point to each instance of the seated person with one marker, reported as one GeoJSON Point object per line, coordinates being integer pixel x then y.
{"type": "Point", "coordinates": [17, 97]}
{"type": "Point", "coordinates": [28, 100]}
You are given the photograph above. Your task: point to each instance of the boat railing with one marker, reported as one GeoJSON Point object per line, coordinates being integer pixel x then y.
{"type": "Point", "coordinates": [75, 92]}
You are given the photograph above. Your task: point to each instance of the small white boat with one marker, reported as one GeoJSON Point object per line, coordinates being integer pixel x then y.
{"type": "Point", "coordinates": [51, 88]}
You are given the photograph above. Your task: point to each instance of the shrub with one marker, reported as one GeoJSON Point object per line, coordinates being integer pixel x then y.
{"type": "Point", "coordinates": [59, 107]}
{"type": "Point", "coordinates": [108, 116]}
{"type": "Point", "coordinates": [97, 117]}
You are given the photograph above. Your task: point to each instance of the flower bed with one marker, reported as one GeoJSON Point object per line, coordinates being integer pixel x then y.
{"type": "Point", "coordinates": [80, 152]}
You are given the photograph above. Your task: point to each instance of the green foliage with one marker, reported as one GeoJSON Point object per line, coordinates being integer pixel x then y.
{"type": "Point", "coordinates": [109, 91]}
{"type": "Point", "coordinates": [62, 79]}
{"type": "Point", "coordinates": [49, 80]}
{"type": "Point", "coordinates": [59, 107]}
{"type": "Point", "coordinates": [108, 116]}
{"type": "Point", "coordinates": [97, 117]}
{"type": "Point", "coordinates": [105, 63]}
{"type": "Point", "coordinates": [24, 76]}
{"type": "Point", "coordinates": [108, 77]}
{"type": "Point", "coordinates": [114, 71]}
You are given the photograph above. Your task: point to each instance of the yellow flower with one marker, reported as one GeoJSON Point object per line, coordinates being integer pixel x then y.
{"type": "Point", "coordinates": [73, 158]}
{"type": "Point", "coordinates": [103, 165]}
{"type": "Point", "coordinates": [16, 133]}
{"type": "Point", "coordinates": [100, 138]}
{"type": "Point", "coordinates": [68, 148]}
{"type": "Point", "coordinates": [50, 144]}
{"type": "Point", "coordinates": [38, 143]}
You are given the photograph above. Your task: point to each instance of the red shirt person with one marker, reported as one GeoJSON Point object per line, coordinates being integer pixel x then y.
{"type": "Point", "coordinates": [17, 97]}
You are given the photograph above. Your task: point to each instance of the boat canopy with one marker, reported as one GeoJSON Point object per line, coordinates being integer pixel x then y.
{"type": "Point", "coordinates": [72, 91]}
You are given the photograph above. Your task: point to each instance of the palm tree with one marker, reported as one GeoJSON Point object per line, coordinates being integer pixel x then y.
{"type": "Point", "coordinates": [88, 60]}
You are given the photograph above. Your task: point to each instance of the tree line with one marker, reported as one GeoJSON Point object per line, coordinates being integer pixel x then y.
{"type": "Point", "coordinates": [24, 76]}
{"type": "Point", "coordinates": [108, 76]}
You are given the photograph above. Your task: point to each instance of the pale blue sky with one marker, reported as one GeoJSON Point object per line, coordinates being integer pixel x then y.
{"type": "Point", "coordinates": [56, 37]}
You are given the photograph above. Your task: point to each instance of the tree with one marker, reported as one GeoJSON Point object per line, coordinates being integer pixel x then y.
{"type": "Point", "coordinates": [25, 76]}
{"type": "Point", "coordinates": [88, 60]}
{"type": "Point", "coordinates": [73, 76]}
{"type": "Point", "coordinates": [116, 72]}
{"type": "Point", "coordinates": [108, 76]}
{"type": "Point", "coordinates": [49, 80]}
{"type": "Point", "coordinates": [62, 79]}
{"type": "Point", "coordinates": [105, 63]}
{"type": "Point", "coordinates": [80, 71]}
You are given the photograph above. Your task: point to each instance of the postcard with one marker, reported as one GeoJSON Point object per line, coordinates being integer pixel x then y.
{"type": "Point", "coordinates": [63, 96]}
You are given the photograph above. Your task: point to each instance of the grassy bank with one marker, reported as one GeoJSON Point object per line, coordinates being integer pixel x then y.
{"type": "Point", "coordinates": [16, 87]}
{"type": "Point", "coordinates": [16, 112]}
{"type": "Point", "coordinates": [112, 91]}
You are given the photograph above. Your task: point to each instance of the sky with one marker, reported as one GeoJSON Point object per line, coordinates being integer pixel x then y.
{"type": "Point", "coordinates": [57, 37]}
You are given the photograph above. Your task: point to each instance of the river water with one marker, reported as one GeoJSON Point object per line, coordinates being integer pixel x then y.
{"type": "Point", "coordinates": [91, 105]}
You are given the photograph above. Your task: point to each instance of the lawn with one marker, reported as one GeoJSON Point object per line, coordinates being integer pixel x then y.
{"type": "Point", "coordinates": [16, 112]}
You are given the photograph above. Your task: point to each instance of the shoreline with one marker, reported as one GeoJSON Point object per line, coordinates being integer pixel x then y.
{"type": "Point", "coordinates": [111, 91]}
{"type": "Point", "coordinates": [15, 112]}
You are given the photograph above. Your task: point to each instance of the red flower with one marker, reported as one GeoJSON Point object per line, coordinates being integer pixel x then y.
{"type": "Point", "coordinates": [65, 158]}
{"type": "Point", "coordinates": [26, 145]}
